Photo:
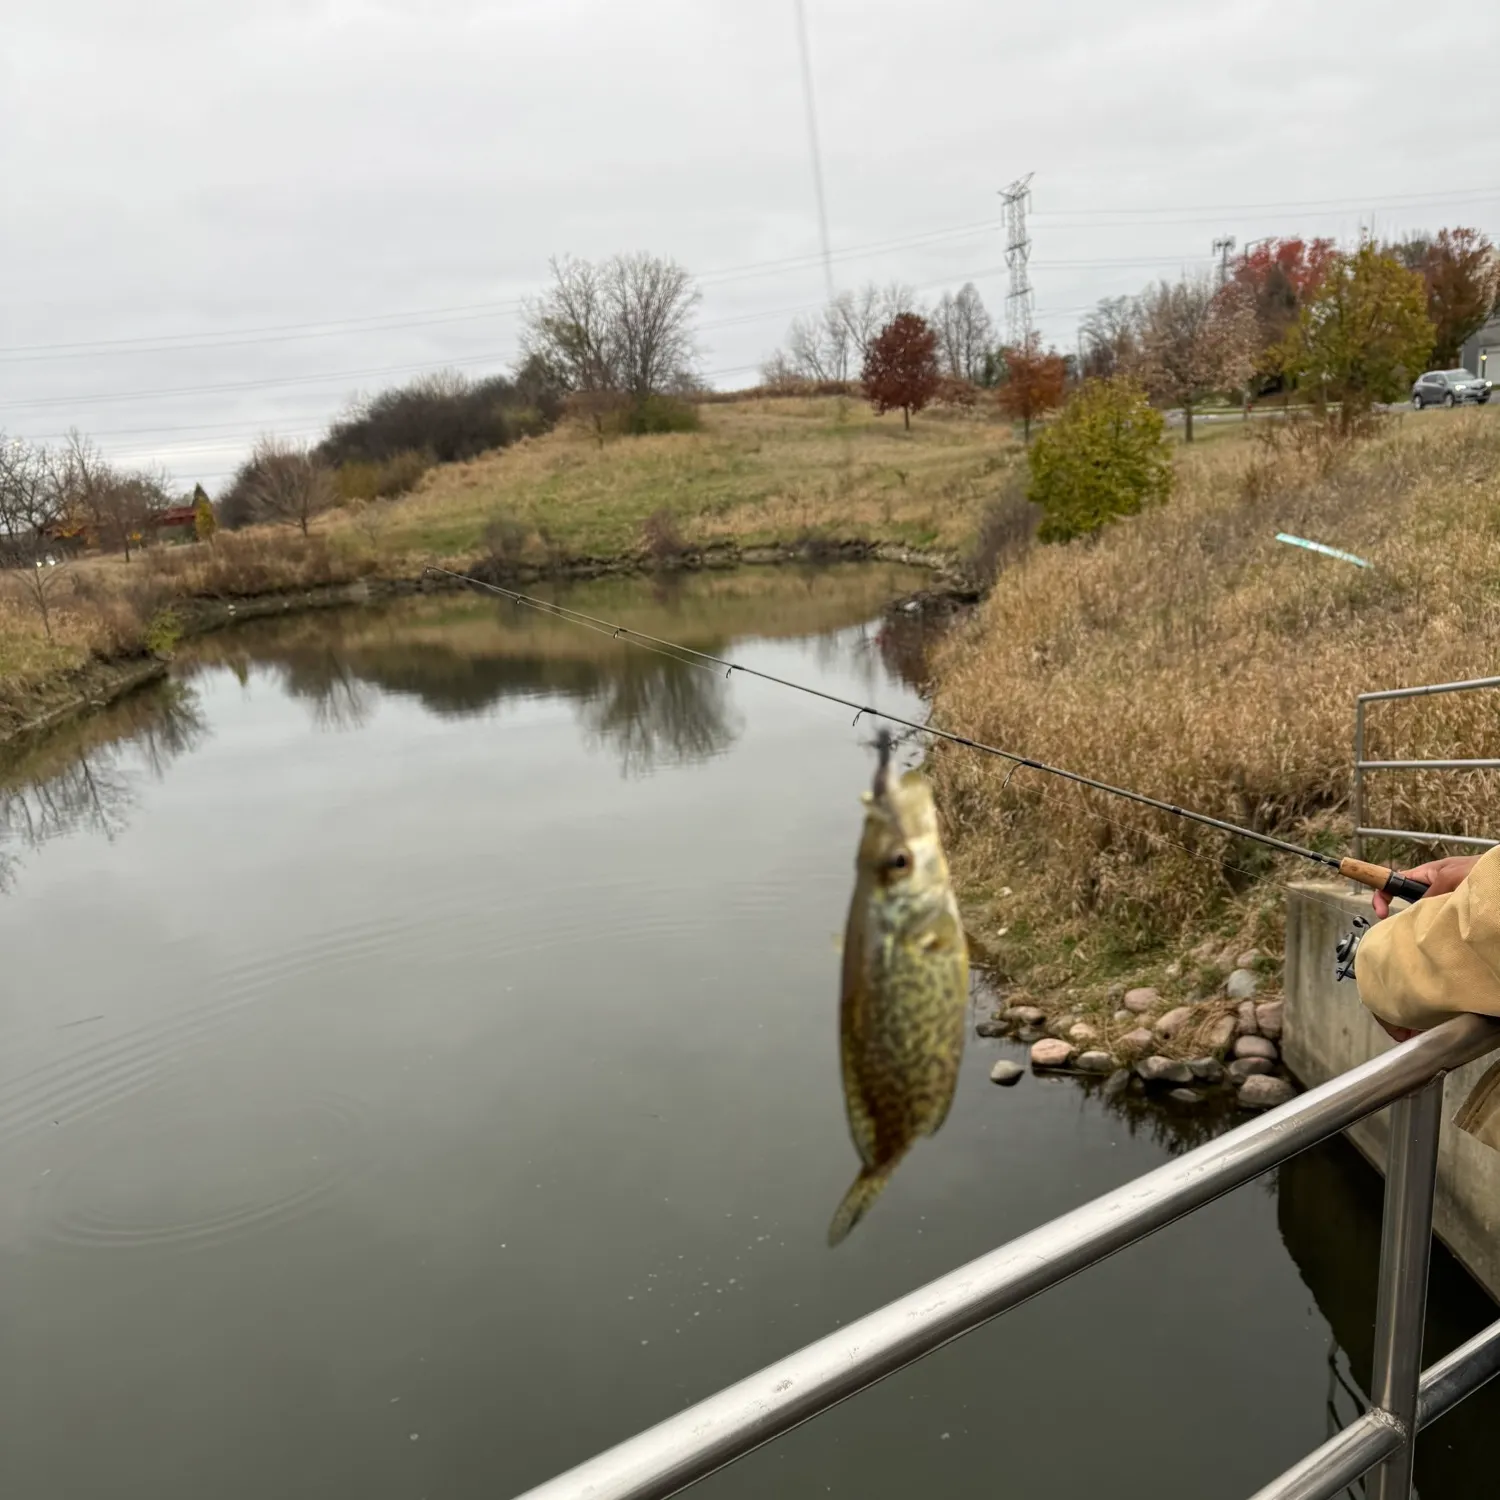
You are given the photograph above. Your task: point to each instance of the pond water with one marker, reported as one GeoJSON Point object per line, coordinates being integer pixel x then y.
{"type": "Point", "coordinates": [418, 1070]}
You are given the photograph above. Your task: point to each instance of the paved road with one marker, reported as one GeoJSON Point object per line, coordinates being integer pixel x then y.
{"type": "Point", "coordinates": [1266, 412]}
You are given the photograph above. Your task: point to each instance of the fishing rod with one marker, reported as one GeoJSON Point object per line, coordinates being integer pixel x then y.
{"type": "Point", "coordinates": [1380, 878]}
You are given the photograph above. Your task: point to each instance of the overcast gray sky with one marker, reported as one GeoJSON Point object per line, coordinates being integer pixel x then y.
{"type": "Point", "coordinates": [221, 220]}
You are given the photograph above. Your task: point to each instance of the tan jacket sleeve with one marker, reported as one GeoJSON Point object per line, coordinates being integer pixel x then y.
{"type": "Point", "coordinates": [1439, 957]}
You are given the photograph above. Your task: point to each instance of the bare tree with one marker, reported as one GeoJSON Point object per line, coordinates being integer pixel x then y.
{"type": "Point", "coordinates": [569, 328]}
{"type": "Point", "coordinates": [867, 312]}
{"type": "Point", "coordinates": [282, 481]}
{"type": "Point", "coordinates": [778, 373]}
{"type": "Point", "coordinates": [832, 344]}
{"type": "Point", "coordinates": [1196, 338]}
{"type": "Point", "coordinates": [651, 303]}
{"type": "Point", "coordinates": [965, 333]}
{"type": "Point", "coordinates": [618, 331]}
{"type": "Point", "coordinates": [33, 514]}
{"type": "Point", "coordinates": [818, 347]}
{"type": "Point", "coordinates": [1110, 335]}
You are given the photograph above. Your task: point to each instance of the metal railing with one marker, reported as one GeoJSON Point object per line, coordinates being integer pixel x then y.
{"type": "Point", "coordinates": [696, 1442]}
{"type": "Point", "coordinates": [1361, 765]}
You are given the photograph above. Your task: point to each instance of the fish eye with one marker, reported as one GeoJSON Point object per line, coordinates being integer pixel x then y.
{"type": "Point", "coordinates": [899, 861]}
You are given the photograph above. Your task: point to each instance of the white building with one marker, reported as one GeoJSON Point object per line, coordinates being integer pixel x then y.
{"type": "Point", "coordinates": [1481, 351]}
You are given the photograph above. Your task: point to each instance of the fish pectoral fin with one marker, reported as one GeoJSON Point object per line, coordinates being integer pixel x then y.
{"type": "Point", "coordinates": [939, 935]}
{"type": "Point", "coordinates": [863, 1191]}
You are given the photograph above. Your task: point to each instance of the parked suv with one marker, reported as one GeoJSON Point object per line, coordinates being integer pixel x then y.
{"type": "Point", "coordinates": [1448, 388]}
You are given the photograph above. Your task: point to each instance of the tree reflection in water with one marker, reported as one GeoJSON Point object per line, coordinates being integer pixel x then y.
{"type": "Point", "coordinates": [85, 774]}
{"type": "Point", "coordinates": [654, 709]}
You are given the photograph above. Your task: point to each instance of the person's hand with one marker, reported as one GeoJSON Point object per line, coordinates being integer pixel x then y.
{"type": "Point", "coordinates": [1440, 876]}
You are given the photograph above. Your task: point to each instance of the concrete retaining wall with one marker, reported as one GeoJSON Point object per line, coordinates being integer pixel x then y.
{"type": "Point", "coordinates": [1327, 1032]}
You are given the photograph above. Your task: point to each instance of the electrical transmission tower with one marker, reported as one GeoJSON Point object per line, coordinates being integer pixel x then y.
{"type": "Point", "coordinates": [1221, 249]}
{"type": "Point", "coordinates": [1017, 252]}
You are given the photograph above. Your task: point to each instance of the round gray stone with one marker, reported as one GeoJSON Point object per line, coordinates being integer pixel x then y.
{"type": "Point", "coordinates": [1255, 1046]}
{"type": "Point", "coordinates": [1248, 1067]}
{"type": "Point", "coordinates": [1220, 1034]}
{"type": "Point", "coordinates": [1207, 1069]}
{"type": "Point", "coordinates": [1094, 1062]}
{"type": "Point", "coordinates": [1164, 1070]}
{"type": "Point", "coordinates": [991, 1028]}
{"type": "Point", "coordinates": [1185, 1096]}
{"type": "Point", "coordinates": [1006, 1072]}
{"type": "Point", "coordinates": [1117, 1083]}
{"type": "Point", "coordinates": [1141, 1000]}
{"type": "Point", "coordinates": [1264, 1092]}
{"type": "Point", "coordinates": [1174, 1020]}
{"type": "Point", "coordinates": [1241, 984]}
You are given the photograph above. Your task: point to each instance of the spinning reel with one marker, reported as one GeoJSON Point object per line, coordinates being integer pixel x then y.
{"type": "Point", "coordinates": [1346, 948]}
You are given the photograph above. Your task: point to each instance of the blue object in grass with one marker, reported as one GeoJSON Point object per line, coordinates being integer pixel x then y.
{"type": "Point", "coordinates": [1298, 541]}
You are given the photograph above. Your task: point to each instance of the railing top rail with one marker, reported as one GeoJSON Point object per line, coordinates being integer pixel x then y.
{"type": "Point", "coordinates": [1428, 689]}
{"type": "Point", "coordinates": [1427, 836]}
{"type": "Point", "coordinates": [694, 1443]}
{"type": "Point", "coordinates": [1426, 765]}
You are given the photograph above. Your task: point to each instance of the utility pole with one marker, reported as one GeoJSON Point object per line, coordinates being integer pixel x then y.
{"type": "Point", "coordinates": [1222, 247]}
{"type": "Point", "coordinates": [1017, 199]}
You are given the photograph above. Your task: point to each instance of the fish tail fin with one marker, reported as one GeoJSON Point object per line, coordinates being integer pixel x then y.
{"type": "Point", "coordinates": [864, 1190]}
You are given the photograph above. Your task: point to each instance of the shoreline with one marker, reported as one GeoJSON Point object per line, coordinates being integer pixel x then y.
{"type": "Point", "coordinates": [101, 682]}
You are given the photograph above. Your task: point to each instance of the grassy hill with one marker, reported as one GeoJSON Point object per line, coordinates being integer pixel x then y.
{"type": "Point", "coordinates": [758, 471]}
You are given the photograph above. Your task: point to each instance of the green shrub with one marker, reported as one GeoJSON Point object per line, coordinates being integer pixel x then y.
{"type": "Point", "coordinates": [1106, 456]}
{"type": "Point", "coordinates": [380, 479]}
{"type": "Point", "coordinates": [163, 632]}
{"type": "Point", "coordinates": [656, 414]}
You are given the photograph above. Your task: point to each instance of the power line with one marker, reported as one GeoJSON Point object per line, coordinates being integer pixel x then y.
{"type": "Point", "coordinates": [1403, 200]}
{"type": "Point", "coordinates": [427, 366]}
{"type": "Point", "coordinates": [382, 322]}
{"type": "Point", "coordinates": [388, 322]}
{"type": "Point", "coordinates": [812, 142]}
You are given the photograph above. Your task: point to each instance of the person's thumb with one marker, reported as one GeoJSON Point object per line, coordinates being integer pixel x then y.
{"type": "Point", "coordinates": [1382, 904]}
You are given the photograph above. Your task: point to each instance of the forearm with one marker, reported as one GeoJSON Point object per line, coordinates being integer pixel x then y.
{"type": "Point", "coordinates": [1439, 957]}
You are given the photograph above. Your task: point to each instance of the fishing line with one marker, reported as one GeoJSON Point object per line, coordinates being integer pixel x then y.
{"type": "Point", "coordinates": [1376, 877]}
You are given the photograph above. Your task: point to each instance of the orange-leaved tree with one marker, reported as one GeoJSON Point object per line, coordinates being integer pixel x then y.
{"type": "Point", "coordinates": [901, 368]}
{"type": "Point", "coordinates": [1035, 380]}
{"type": "Point", "coordinates": [1462, 273]}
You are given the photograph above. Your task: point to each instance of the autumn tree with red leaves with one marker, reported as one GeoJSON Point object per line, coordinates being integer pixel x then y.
{"type": "Point", "coordinates": [1460, 269]}
{"type": "Point", "coordinates": [901, 368]}
{"type": "Point", "coordinates": [1035, 380]}
{"type": "Point", "coordinates": [1280, 277]}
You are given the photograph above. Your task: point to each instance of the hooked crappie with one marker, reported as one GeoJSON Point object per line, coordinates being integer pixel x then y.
{"type": "Point", "coordinates": [905, 985]}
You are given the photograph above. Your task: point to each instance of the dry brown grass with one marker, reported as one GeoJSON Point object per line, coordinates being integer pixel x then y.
{"type": "Point", "coordinates": [104, 608]}
{"type": "Point", "coordinates": [1187, 654]}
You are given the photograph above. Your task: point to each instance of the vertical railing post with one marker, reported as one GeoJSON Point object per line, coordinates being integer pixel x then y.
{"type": "Point", "coordinates": [1359, 777]}
{"type": "Point", "coordinates": [1405, 1251]}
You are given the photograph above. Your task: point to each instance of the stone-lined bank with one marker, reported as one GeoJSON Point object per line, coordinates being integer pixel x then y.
{"type": "Point", "coordinates": [1184, 1052]}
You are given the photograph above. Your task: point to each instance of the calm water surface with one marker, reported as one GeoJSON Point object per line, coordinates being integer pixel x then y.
{"type": "Point", "coordinates": [418, 1070]}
